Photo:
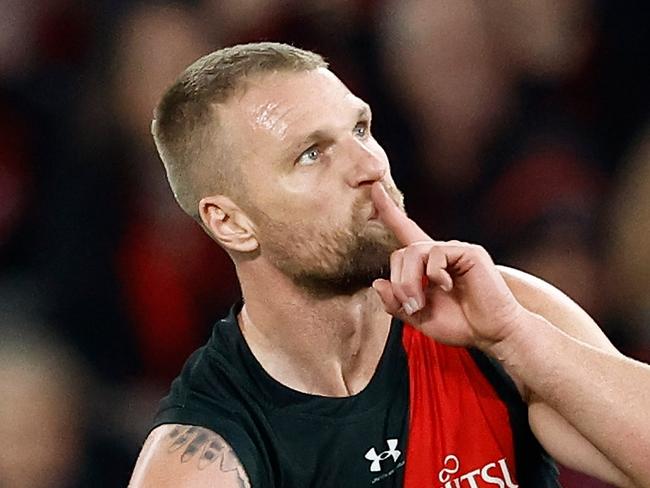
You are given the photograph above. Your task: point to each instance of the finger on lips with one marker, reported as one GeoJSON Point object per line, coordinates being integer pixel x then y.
{"type": "Point", "coordinates": [407, 231]}
{"type": "Point", "coordinates": [422, 257]}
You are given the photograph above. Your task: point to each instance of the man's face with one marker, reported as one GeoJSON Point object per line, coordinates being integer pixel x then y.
{"type": "Point", "coordinates": [308, 160]}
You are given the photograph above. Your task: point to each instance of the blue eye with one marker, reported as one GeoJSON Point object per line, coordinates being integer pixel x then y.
{"type": "Point", "coordinates": [361, 129]}
{"type": "Point", "coordinates": [310, 156]}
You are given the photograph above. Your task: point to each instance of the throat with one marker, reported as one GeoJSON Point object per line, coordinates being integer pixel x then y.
{"type": "Point", "coordinates": [336, 361]}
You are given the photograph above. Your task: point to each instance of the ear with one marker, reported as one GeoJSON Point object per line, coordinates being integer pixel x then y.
{"type": "Point", "coordinates": [228, 224]}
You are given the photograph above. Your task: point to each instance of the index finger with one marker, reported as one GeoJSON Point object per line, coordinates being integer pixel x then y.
{"type": "Point", "coordinates": [406, 231]}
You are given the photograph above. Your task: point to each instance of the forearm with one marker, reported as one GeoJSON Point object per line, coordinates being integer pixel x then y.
{"type": "Point", "coordinates": [604, 395]}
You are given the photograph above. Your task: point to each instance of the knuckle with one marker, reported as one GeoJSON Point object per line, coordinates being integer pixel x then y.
{"type": "Point", "coordinates": [423, 244]}
{"type": "Point", "coordinates": [478, 249]}
{"type": "Point", "coordinates": [437, 257]}
{"type": "Point", "coordinates": [413, 250]}
{"type": "Point", "coordinates": [397, 254]}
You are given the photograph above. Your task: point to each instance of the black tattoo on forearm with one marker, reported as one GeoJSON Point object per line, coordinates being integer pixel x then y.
{"type": "Point", "coordinates": [210, 447]}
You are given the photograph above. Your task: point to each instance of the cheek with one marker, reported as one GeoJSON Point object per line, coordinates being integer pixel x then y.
{"type": "Point", "coordinates": [312, 194]}
{"type": "Point", "coordinates": [306, 199]}
{"type": "Point", "coordinates": [297, 210]}
{"type": "Point", "coordinates": [306, 184]}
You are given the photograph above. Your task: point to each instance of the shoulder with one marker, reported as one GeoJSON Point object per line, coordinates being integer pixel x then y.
{"type": "Point", "coordinates": [209, 417]}
{"type": "Point", "coordinates": [187, 456]}
{"type": "Point", "coordinates": [212, 380]}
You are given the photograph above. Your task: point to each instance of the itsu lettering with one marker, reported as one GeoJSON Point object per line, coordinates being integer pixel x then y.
{"type": "Point", "coordinates": [492, 474]}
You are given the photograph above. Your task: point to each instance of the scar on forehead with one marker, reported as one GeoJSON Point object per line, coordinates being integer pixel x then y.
{"type": "Point", "coordinates": [271, 117]}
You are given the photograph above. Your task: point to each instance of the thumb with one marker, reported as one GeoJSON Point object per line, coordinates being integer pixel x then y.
{"type": "Point", "coordinates": [385, 291]}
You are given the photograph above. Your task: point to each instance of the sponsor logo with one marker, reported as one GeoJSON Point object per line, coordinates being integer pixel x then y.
{"type": "Point", "coordinates": [494, 473]}
{"type": "Point", "coordinates": [376, 459]}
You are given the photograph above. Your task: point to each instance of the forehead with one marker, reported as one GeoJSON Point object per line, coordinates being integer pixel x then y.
{"type": "Point", "coordinates": [308, 86]}
{"type": "Point", "coordinates": [277, 108]}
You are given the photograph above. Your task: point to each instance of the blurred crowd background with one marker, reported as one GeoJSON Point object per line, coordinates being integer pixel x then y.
{"type": "Point", "coordinates": [523, 125]}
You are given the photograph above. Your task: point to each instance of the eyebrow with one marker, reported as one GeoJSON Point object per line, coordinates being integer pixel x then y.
{"type": "Point", "coordinates": [364, 111]}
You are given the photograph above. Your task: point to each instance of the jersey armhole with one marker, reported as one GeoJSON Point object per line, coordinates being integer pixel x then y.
{"type": "Point", "coordinates": [535, 468]}
{"type": "Point", "coordinates": [232, 433]}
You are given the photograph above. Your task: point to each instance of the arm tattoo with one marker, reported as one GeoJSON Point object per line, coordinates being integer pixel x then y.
{"type": "Point", "coordinates": [209, 446]}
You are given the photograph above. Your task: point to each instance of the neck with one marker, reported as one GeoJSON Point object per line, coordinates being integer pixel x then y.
{"type": "Point", "coordinates": [326, 346]}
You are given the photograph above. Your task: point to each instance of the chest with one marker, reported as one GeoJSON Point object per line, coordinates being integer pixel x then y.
{"type": "Point", "coordinates": [442, 426]}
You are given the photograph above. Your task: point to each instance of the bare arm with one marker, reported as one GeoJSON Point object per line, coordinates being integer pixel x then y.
{"type": "Point", "coordinates": [588, 404]}
{"type": "Point", "coordinates": [557, 435]}
{"type": "Point", "coordinates": [182, 456]}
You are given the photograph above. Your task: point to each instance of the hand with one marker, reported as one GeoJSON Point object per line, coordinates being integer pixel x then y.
{"type": "Point", "coordinates": [451, 291]}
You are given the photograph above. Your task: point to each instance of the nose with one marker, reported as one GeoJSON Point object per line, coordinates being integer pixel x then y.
{"type": "Point", "coordinates": [367, 164]}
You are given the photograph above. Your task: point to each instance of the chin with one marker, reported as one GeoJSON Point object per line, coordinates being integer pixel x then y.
{"type": "Point", "coordinates": [332, 286]}
{"type": "Point", "coordinates": [366, 261]}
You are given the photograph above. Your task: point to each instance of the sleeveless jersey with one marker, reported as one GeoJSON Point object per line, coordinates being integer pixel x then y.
{"type": "Point", "coordinates": [431, 416]}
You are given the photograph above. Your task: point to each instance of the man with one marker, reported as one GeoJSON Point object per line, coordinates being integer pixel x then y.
{"type": "Point", "coordinates": [365, 353]}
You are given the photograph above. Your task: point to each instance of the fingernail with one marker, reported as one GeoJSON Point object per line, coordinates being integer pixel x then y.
{"type": "Point", "coordinates": [407, 308]}
{"type": "Point", "coordinates": [446, 287]}
{"type": "Point", "coordinates": [415, 306]}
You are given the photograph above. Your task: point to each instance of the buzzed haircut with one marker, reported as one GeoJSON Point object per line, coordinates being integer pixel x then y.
{"type": "Point", "coordinates": [186, 127]}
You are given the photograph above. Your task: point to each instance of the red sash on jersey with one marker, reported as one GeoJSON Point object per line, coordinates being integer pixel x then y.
{"type": "Point", "coordinates": [459, 429]}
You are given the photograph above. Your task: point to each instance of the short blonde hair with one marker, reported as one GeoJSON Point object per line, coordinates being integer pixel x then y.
{"type": "Point", "coordinates": [186, 128]}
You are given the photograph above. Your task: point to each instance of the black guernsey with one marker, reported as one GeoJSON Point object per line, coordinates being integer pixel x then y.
{"type": "Point", "coordinates": [289, 439]}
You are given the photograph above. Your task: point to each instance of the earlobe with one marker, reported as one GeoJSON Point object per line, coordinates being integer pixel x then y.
{"type": "Point", "coordinates": [228, 224]}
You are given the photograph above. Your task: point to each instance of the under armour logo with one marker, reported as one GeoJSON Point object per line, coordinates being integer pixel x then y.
{"type": "Point", "coordinates": [376, 459]}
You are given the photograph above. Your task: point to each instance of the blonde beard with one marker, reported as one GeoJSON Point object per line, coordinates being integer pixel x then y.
{"type": "Point", "coordinates": [331, 261]}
